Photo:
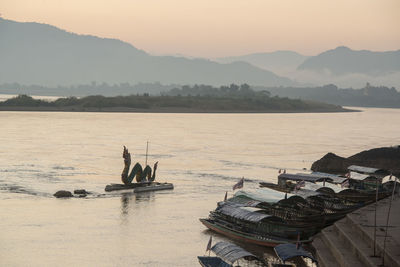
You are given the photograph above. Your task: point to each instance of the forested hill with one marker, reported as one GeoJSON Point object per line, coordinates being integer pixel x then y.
{"type": "Point", "coordinates": [33, 53]}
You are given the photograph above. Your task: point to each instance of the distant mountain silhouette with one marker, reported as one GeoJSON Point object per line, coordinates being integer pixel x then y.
{"type": "Point", "coordinates": [343, 60]}
{"type": "Point", "coordinates": [33, 53]}
{"type": "Point", "coordinates": [280, 62]}
{"type": "Point", "coordinates": [368, 96]}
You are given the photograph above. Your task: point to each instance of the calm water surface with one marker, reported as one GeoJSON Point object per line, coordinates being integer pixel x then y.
{"type": "Point", "coordinates": [202, 154]}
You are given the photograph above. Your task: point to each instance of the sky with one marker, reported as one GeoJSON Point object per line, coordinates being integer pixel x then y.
{"type": "Point", "coordinates": [218, 28]}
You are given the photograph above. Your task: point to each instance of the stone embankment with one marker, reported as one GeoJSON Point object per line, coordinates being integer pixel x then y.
{"type": "Point", "coordinates": [350, 241]}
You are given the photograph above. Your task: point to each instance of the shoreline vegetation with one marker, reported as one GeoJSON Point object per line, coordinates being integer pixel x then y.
{"type": "Point", "coordinates": [196, 99]}
{"type": "Point", "coordinates": [368, 96]}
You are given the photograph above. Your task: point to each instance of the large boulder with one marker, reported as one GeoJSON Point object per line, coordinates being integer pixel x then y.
{"type": "Point", "coordinates": [331, 163]}
{"type": "Point", "coordinates": [387, 158]}
{"type": "Point", "coordinates": [63, 194]}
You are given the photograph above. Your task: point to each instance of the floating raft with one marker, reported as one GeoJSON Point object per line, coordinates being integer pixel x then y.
{"type": "Point", "coordinates": [140, 187]}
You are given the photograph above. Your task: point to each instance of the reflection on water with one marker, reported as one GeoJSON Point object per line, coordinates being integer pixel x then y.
{"type": "Point", "coordinates": [129, 200]}
{"type": "Point", "coordinates": [202, 154]}
{"type": "Point", "coordinates": [125, 199]}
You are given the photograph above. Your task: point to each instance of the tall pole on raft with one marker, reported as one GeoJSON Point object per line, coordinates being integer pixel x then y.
{"type": "Point", "coordinates": [147, 150]}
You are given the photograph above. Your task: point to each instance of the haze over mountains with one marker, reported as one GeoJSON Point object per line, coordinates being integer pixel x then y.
{"type": "Point", "coordinates": [33, 53]}
{"type": "Point", "coordinates": [280, 62]}
{"type": "Point", "coordinates": [342, 66]}
{"type": "Point", "coordinates": [343, 60]}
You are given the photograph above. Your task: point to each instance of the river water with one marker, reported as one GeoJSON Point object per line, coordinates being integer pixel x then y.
{"type": "Point", "coordinates": [202, 154]}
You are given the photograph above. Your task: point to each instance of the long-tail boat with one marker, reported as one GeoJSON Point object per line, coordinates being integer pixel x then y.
{"type": "Point", "coordinates": [255, 226]}
{"type": "Point", "coordinates": [303, 207]}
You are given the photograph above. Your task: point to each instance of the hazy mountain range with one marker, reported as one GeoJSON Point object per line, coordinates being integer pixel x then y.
{"type": "Point", "coordinates": [342, 66]}
{"type": "Point", "coordinates": [33, 53]}
{"type": "Point", "coordinates": [279, 62]}
{"type": "Point", "coordinates": [343, 60]}
{"type": "Point", "coordinates": [339, 61]}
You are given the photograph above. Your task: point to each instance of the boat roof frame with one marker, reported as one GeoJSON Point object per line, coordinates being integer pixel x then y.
{"type": "Point", "coordinates": [368, 170]}
{"type": "Point", "coordinates": [288, 251]}
{"type": "Point", "coordinates": [311, 177]}
{"type": "Point", "coordinates": [231, 253]}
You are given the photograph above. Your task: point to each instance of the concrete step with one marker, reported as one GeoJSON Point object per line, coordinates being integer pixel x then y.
{"type": "Point", "coordinates": [323, 254]}
{"type": "Point", "coordinates": [356, 221]}
{"type": "Point", "coordinates": [341, 252]}
{"type": "Point", "coordinates": [361, 249]}
{"type": "Point", "coordinates": [364, 229]}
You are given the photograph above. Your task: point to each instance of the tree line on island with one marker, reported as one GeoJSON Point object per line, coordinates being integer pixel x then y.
{"type": "Point", "coordinates": [197, 98]}
{"type": "Point", "coordinates": [368, 96]}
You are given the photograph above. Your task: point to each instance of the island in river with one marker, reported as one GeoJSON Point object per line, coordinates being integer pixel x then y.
{"type": "Point", "coordinates": [257, 103]}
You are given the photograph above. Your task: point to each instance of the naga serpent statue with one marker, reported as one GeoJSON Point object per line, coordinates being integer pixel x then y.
{"type": "Point", "coordinates": [142, 175]}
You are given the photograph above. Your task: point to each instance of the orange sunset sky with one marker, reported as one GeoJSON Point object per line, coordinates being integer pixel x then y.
{"type": "Point", "coordinates": [205, 28]}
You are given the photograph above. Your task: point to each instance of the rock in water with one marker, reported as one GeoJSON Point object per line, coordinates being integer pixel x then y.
{"type": "Point", "coordinates": [387, 158]}
{"type": "Point", "coordinates": [62, 193]}
{"type": "Point", "coordinates": [331, 163]}
{"type": "Point", "coordinates": [81, 192]}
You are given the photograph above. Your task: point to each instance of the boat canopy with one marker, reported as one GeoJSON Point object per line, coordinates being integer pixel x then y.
{"type": "Point", "coordinates": [264, 195]}
{"type": "Point", "coordinates": [288, 251]}
{"type": "Point", "coordinates": [242, 200]}
{"type": "Point", "coordinates": [318, 185]}
{"type": "Point", "coordinates": [336, 179]}
{"type": "Point", "coordinates": [359, 176]}
{"type": "Point", "coordinates": [213, 261]}
{"type": "Point", "coordinates": [292, 200]}
{"type": "Point", "coordinates": [305, 193]}
{"type": "Point", "coordinates": [309, 177]}
{"type": "Point", "coordinates": [231, 253]}
{"type": "Point", "coordinates": [368, 170]}
{"type": "Point", "coordinates": [242, 213]}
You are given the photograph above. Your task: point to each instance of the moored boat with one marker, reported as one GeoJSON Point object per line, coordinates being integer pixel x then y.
{"type": "Point", "coordinates": [262, 240]}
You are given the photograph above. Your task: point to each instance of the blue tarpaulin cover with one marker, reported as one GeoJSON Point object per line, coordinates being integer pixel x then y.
{"type": "Point", "coordinates": [288, 251]}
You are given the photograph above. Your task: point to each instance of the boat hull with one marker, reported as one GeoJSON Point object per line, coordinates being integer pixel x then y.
{"type": "Point", "coordinates": [262, 241]}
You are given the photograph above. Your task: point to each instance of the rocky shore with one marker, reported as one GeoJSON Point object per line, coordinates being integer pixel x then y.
{"type": "Point", "coordinates": [382, 158]}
